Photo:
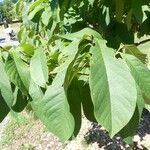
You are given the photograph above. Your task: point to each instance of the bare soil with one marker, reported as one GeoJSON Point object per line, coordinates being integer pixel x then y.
{"type": "Point", "coordinates": [34, 136]}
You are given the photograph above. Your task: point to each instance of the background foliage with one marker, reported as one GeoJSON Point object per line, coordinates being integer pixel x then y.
{"type": "Point", "coordinates": [7, 10]}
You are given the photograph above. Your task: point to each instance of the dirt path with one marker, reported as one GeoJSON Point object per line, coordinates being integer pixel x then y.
{"type": "Point", "coordinates": [9, 43]}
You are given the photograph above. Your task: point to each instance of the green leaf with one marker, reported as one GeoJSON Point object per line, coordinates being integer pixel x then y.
{"type": "Point", "coordinates": [35, 92]}
{"type": "Point", "coordinates": [36, 4]}
{"type": "Point", "coordinates": [87, 104]}
{"type": "Point", "coordinates": [71, 51]}
{"type": "Point", "coordinates": [28, 49]}
{"type": "Point", "coordinates": [54, 111]}
{"type": "Point", "coordinates": [5, 86]}
{"type": "Point", "coordinates": [64, 6]}
{"type": "Point", "coordinates": [141, 75]}
{"type": "Point", "coordinates": [147, 107]}
{"type": "Point", "coordinates": [22, 68]}
{"type": "Point", "coordinates": [21, 35]}
{"type": "Point", "coordinates": [45, 17]}
{"type": "Point", "coordinates": [128, 19]}
{"type": "Point", "coordinates": [13, 74]}
{"type": "Point", "coordinates": [39, 68]}
{"type": "Point", "coordinates": [137, 10]}
{"type": "Point", "coordinates": [119, 10]}
{"type": "Point", "coordinates": [113, 89]}
{"type": "Point", "coordinates": [128, 132]}
{"type": "Point", "coordinates": [81, 33]}
{"type": "Point", "coordinates": [4, 109]}
{"type": "Point", "coordinates": [19, 6]}
{"type": "Point", "coordinates": [74, 100]}
{"type": "Point", "coordinates": [36, 13]}
{"type": "Point", "coordinates": [20, 101]}
{"type": "Point", "coordinates": [133, 50]}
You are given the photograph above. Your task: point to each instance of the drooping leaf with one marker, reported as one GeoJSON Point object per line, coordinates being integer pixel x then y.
{"type": "Point", "coordinates": [87, 103]}
{"type": "Point", "coordinates": [71, 51]}
{"type": "Point", "coordinates": [128, 132]}
{"type": "Point", "coordinates": [22, 68]}
{"type": "Point", "coordinates": [107, 76]}
{"type": "Point", "coordinates": [4, 109]}
{"type": "Point", "coordinates": [13, 74]}
{"type": "Point", "coordinates": [5, 86]}
{"type": "Point", "coordinates": [39, 68]}
{"type": "Point", "coordinates": [133, 50]}
{"type": "Point", "coordinates": [20, 101]}
{"type": "Point", "coordinates": [74, 100]}
{"type": "Point", "coordinates": [35, 92]}
{"type": "Point", "coordinates": [137, 10]}
{"type": "Point", "coordinates": [53, 109]}
{"type": "Point", "coordinates": [141, 75]}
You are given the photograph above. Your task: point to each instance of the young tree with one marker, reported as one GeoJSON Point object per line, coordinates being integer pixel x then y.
{"type": "Point", "coordinates": [79, 56]}
{"type": "Point", "coordinates": [7, 10]}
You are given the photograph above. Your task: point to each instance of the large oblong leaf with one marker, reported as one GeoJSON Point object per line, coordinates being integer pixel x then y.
{"type": "Point", "coordinates": [87, 103]}
{"type": "Point", "coordinates": [74, 98]}
{"type": "Point", "coordinates": [22, 69]}
{"type": "Point", "coordinates": [128, 132]}
{"type": "Point", "coordinates": [141, 75]}
{"type": "Point", "coordinates": [113, 89]}
{"type": "Point", "coordinates": [53, 108]}
{"type": "Point", "coordinates": [13, 74]}
{"type": "Point", "coordinates": [55, 113]}
{"type": "Point", "coordinates": [39, 68]}
{"type": "Point", "coordinates": [5, 87]}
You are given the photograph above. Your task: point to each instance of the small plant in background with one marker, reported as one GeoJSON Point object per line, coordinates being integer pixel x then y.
{"type": "Point", "coordinates": [15, 122]}
{"type": "Point", "coordinates": [27, 147]}
{"type": "Point", "coordinates": [7, 10]}
{"type": "Point", "coordinates": [79, 55]}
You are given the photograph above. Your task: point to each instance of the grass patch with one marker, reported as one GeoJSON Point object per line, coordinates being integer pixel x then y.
{"type": "Point", "coordinates": [26, 147]}
{"type": "Point", "coordinates": [25, 131]}
{"type": "Point", "coordinates": [17, 125]}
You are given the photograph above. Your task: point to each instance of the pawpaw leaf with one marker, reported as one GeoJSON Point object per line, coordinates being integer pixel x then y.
{"type": "Point", "coordinates": [113, 89]}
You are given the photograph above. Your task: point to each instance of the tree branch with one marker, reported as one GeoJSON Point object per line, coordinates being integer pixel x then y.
{"type": "Point", "coordinates": [142, 42]}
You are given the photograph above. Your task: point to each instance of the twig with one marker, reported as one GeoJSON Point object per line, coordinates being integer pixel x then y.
{"type": "Point", "coordinates": [142, 42]}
